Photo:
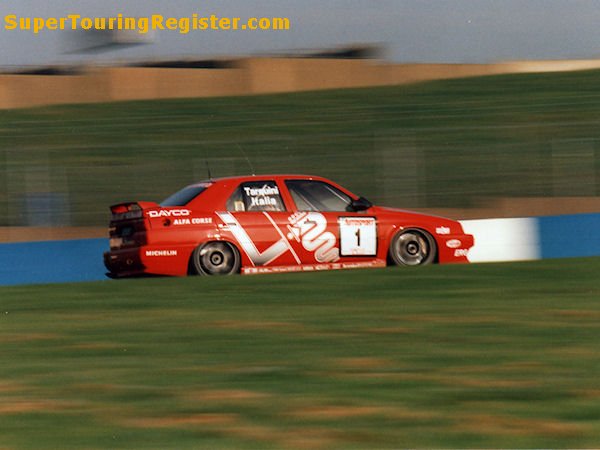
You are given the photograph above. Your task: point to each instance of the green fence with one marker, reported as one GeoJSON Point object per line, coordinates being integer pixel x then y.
{"type": "Point", "coordinates": [444, 144]}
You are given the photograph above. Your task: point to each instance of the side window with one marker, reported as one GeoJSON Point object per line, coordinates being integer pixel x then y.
{"type": "Point", "coordinates": [256, 196]}
{"type": "Point", "coordinates": [236, 201]}
{"type": "Point", "coordinates": [317, 196]}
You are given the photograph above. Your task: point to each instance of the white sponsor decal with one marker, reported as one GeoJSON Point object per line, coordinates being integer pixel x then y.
{"type": "Point", "coordinates": [461, 252]}
{"type": "Point", "coordinates": [442, 230]}
{"type": "Point", "coordinates": [358, 236]}
{"type": "Point", "coordinates": [169, 213]}
{"type": "Point", "coordinates": [310, 228]}
{"type": "Point", "coordinates": [262, 201]}
{"type": "Point", "coordinates": [193, 221]}
{"type": "Point", "coordinates": [357, 221]}
{"type": "Point", "coordinates": [453, 243]}
{"type": "Point", "coordinates": [262, 196]}
{"type": "Point", "coordinates": [161, 252]}
{"type": "Point", "coordinates": [260, 192]}
{"type": "Point", "coordinates": [240, 234]}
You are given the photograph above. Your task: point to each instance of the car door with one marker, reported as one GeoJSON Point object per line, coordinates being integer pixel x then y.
{"type": "Point", "coordinates": [327, 225]}
{"type": "Point", "coordinates": [257, 218]}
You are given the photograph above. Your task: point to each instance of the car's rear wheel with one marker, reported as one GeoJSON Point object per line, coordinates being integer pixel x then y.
{"type": "Point", "coordinates": [215, 258]}
{"type": "Point", "coordinates": [412, 248]}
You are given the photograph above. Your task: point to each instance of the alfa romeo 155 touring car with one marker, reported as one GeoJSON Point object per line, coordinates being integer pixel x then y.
{"type": "Point", "coordinates": [273, 223]}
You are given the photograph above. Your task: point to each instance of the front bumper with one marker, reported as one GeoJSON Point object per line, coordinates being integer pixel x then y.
{"type": "Point", "coordinates": [455, 248]}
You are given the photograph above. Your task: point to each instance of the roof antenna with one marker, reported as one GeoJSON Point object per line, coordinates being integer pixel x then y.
{"type": "Point", "coordinates": [247, 160]}
{"type": "Point", "coordinates": [208, 170]}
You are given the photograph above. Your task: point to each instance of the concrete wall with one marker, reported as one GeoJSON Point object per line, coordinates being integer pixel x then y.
{"type": "Point", "coordinates": [23, 91]}
{"type": "Point", "coordinates": [136, 83]}
{"type": "Point", "coordinates": [118, 84]}
{"type": "Point", "coordinates": [249, 76]}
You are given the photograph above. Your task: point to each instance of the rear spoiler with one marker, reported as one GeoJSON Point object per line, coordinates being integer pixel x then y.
{"type": "Point", "coordinates": [131, 210]}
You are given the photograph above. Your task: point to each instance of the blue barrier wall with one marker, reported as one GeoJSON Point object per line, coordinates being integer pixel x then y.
{"type": "Point", "coordinates": [569, 236]}
{"type": "Point", "coordinates": [530, 238]}
{"type": "Point", "coordinates": [52, 261]}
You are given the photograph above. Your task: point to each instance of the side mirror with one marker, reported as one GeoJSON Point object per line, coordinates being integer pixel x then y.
{"type": "Point", "coordinates": [360, 204]}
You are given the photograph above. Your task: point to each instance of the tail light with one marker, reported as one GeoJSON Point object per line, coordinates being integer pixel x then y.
{"type": "Point", "coordinates": [126, 211]}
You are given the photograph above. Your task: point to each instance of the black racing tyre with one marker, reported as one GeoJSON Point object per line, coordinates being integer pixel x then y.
{"type": "Point", "coordinates": [215, 258]}
{"type": "Point", "coordinates": [412, 248]}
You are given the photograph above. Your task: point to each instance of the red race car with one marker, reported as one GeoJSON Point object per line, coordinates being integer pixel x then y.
{"type": "Point", "coordinates": [273, 223]}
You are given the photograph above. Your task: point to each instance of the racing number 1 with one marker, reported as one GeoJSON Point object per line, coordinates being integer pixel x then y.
{"type": "Point", "coordinates": [358, 236]}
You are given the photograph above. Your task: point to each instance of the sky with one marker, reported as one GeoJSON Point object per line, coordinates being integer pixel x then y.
{"type": "Point", "coordinates": [467, 31]}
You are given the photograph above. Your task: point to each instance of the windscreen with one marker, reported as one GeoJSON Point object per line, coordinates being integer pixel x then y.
{"type": "Point", "coordinates": [184, 196]}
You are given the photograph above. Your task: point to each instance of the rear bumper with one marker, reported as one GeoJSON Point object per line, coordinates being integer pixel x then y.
{"type": "Point", "coordinates": [148, 260]}
{"type": "Point", "coordinates": [122, 263]}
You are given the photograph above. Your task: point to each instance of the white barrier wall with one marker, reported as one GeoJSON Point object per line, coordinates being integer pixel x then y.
{"type": "Point", "coordinates": [567, 236]}
{"type": "Point", "coordinates": [503, 239]}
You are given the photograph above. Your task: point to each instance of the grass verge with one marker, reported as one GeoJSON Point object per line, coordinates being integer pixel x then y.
{"type": "Point", "coordinates": [498, 355]}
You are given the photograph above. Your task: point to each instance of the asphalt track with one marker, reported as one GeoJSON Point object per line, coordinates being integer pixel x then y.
{"type": "Point", "coordinates": [496, 240]}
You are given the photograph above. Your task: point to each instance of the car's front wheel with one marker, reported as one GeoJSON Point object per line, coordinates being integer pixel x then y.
{"type": "Point", "coordinates": [412, 248]}
{"type": "Point", "coordinates": [215, 258]}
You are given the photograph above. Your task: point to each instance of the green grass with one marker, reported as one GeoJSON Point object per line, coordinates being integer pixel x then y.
{"type": "Point", "coordinates": [450, 143]}
{"type": "Point", "coordinates": [486, 356]}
